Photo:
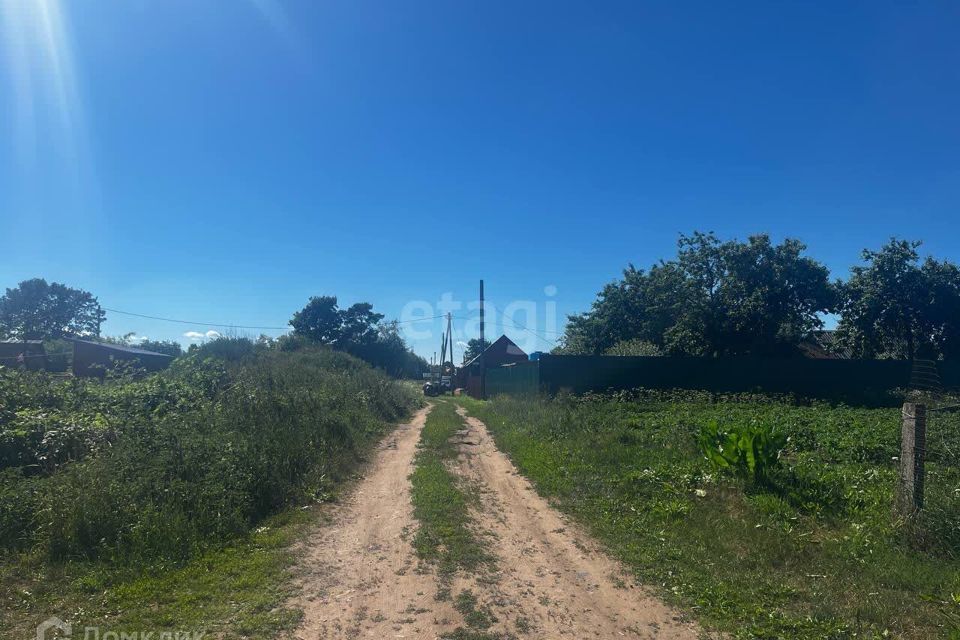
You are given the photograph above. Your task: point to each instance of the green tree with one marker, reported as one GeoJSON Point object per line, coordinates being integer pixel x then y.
{"type": "Point", "coordinates": [320, 320]}
{"type": "Point", "coordinates": [714, 298]}
{"type": "Point", "coordinates": [358, 330]}
{"type": "Point", "coordinates": [749, 297]}
{"type": "Point", "coordinates": [475, 347]}
{"type": "Point", "coordinates": [169, 347]}
{"type": "Point", "coordinates": [634, 347]}
{"type": "Point", "coordinates": [894, 306]}
{"type": "Point", "coordinates": [642, 306]}
{"type": "Point", "coordinates": [36, 309]}
{"type": "Point", "coordinates": [389, 351]}
{"type": "Point", "coordinates": [359, 324]}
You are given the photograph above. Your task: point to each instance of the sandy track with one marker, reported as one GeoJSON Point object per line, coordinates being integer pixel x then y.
{"type": "Point", "coordinates": [361, 577]}
{"type": "Point", "coordinates": [551, 573]}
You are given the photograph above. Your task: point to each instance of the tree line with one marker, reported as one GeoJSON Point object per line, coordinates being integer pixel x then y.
{"type": "Point", "coordinates": [718, 298]}
{"type": "Point", "coordinates": [358, 330]}
{"type": "Point", "coordinates": [38, 310]}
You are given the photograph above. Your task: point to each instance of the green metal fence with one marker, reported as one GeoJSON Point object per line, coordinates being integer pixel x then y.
{"type": "Point", "coordinates": [517, 379]}
{"type": "Point", "coordinates": [841, 379]}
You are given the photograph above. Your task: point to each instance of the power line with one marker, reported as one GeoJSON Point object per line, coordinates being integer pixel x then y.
{"type": "Point", "coordinates": [414, 320]}
{"type": "Point", "coordinates": [532, 332]}
{"type": "Point", "coordinates": [239, 326]}
{"type": "Point", "coordinates": [202, 324]}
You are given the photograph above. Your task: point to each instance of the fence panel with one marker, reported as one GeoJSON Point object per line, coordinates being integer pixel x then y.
{"type": "Point", "coordinates": [840, 379]}
{"type": "Point", "coordinates": [825, 378]}
{"type": "Point", "coordinates": [522, 378]}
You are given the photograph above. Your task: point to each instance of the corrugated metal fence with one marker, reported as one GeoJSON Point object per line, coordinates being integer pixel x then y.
{"type": "Point", "coordinates": [807, 377]}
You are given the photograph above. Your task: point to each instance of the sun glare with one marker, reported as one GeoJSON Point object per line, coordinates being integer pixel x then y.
{"type": "Point", "coordinates": [41, 67]}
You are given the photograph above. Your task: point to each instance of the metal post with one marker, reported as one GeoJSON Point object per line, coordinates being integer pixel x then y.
{"type": "Point", "coordinates": [913, 449]}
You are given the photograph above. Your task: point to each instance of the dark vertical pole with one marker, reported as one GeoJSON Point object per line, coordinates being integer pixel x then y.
{"type": "Point", "coordinates": [443, 353]}
{"type": "Point", "coordinates": [450, 343]}
{"type": "Point", "coordinates": [483, 369]}
{"type": "Point", "coordinates": [481, 312]}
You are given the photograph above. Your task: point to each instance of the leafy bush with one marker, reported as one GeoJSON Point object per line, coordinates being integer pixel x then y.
{"type": "Point", "coordinates": [19, 509]}
{"type": "Point", "coordinates": [40, 440]}
{"type": "Point", "coordinates": [197, 454]}
{"type": "Point", "coordinates": [750, 450]}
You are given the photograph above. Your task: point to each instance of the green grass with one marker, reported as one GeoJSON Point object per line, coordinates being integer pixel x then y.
{"type": "Point", "coordinates": [168, 502]}
{"type": "Point", "coordinates": [446, 535]}
{"type": "Point", "coordinates": [239, 590]}
{"type": "Point", "coordinates": [816, 555]}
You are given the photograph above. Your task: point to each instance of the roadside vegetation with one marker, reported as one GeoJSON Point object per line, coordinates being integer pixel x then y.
{"type": "Point", "coordinates": [766, 517]}
{"type": "Point", "coordinates": [169, 501]}
{"type": "Point", "coordinates": [446, 535]}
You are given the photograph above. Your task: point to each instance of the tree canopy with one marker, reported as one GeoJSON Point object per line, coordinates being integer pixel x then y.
{"type": "Point", "coordinates": [894, 306]}
{"type": "Point", "coordinates": [38, 310]}
{"type": "Point", "coordinates": [320, 320]}
{"type": "Point", "coordinates": [358, 330]}
{"type": "Point", "coordinates": [715, 298]}
{"type": "Point", "coordinates": [474, 348]}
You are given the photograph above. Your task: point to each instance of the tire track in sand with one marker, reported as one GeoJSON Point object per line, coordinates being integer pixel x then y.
{"type": "Point", "coordinates": [361, 577]}
{"type": "Point", "coordinates": [553, 575]}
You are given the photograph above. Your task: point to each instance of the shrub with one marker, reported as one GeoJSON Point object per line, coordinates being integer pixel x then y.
{"type": "Point", "coordinates": [197, 454]}
{"type": "Point", "coordinates": [750, 450]}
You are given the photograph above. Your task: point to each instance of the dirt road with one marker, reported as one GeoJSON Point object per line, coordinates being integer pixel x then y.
{"type": "Point", "coordinates": [362, 578]}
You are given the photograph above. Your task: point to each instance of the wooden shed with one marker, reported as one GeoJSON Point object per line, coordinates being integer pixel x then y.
{"type": "Point", "coordinates": [27, 354]}
{"type": "Point", "coordinates": [502, 352]}
{"type": "Point", "coordinates": [94, 359]}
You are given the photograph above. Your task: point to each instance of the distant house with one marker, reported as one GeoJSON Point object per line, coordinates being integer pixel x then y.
{"type": "Point", "coordinates": [502, 352]}
{"type": "Point", "coordinates": [27, 354]}
{"type": "Point", "coordinates": [823, 345]}
{"type": "Point", "coordinates": [93, 359]}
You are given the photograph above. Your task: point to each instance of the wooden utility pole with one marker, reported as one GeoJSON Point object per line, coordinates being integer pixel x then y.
{"type": "Point", "coordinates": [443, 354]}
{"type": "Point", "coordinates": [450, 335]}
{"type": "Point", "coordinates": [913, 450]}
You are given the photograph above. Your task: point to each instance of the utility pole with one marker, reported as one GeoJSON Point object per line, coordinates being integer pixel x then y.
{"type": "Point", "coordinates": [450, 335]}
{"type": "Point", "coordinates": [443, 354]}
{"type": "Point", "coordinates": [481, 312]}
{"type": "Point", "coordinates": [483, 370]}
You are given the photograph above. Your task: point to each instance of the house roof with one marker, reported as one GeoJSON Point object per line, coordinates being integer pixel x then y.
{"type": "Point", "coordinates": [121, 348]}
{"type": "Point", "coordinates": [31, 342]}
{"type": "Point", "coordinates": [823, 345]}
{"type": "Point", "coordinates": [504, 343]}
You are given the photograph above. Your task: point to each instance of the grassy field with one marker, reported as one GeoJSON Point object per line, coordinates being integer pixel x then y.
{"type": "Point", "coordinates": [813, 552]}
{"type": "Point", "coordinates": [169, 502]}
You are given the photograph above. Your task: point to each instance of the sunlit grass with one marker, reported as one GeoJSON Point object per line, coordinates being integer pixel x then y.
{"type": "Point", "coordinates": [822, 558]}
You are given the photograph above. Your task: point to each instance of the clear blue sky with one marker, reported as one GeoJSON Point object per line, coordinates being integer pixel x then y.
{"type": "Point", "coordinates": [222, 161]}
